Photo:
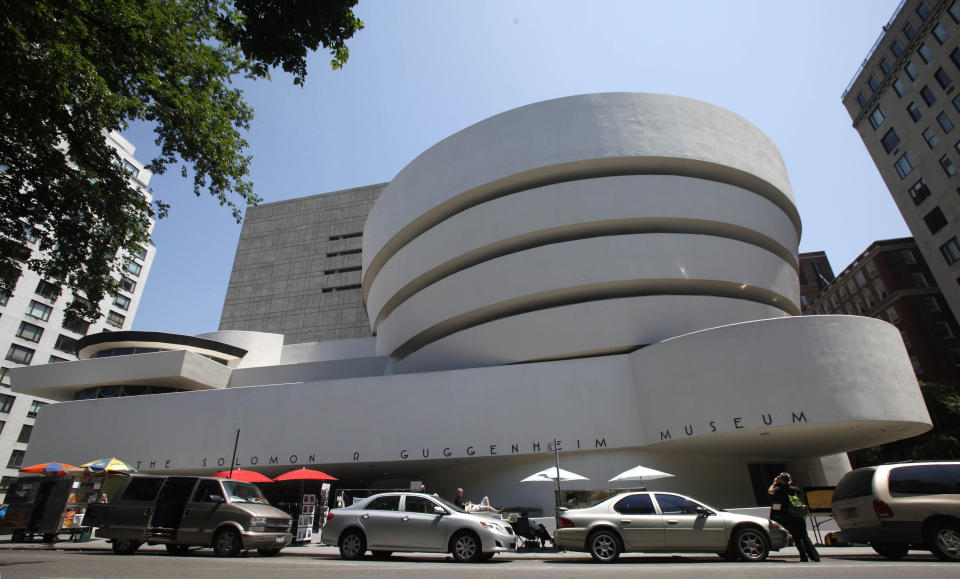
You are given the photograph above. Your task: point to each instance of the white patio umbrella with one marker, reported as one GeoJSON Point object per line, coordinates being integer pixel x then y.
{"type": "Point", "coordinates": [640, 473]}
{"type": "Point", "coordinates": [550, 475]}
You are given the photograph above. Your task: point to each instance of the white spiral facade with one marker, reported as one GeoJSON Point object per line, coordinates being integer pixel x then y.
{"type": "Point", "coordinates": [580, 226]}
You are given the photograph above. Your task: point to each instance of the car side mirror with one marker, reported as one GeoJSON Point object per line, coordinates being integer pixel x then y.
{"type": "Point", "coordinates": [704, 512]}
{"type": "Point", "coordinates": [439, 510]}
{"type": "Point", "coordinates": [215, 498]}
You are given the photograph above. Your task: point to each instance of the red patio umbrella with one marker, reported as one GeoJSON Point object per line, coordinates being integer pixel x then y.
{"type": "Point", "coordinates": [243, 475]}
{"type": "Point", "coordinates": [304, 474]}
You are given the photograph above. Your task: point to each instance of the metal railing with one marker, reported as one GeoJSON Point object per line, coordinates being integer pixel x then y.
{"type": "Point", "coordinates": [863, 65]}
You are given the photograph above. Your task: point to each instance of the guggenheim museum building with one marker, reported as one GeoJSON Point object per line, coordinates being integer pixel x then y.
{"type": "Point", "coordinates": [616, 272]}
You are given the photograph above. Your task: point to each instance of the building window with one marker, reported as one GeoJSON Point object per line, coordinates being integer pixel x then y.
{"type": "Point", "coordinates": [872, 269]}
{"type": "Point", "coordinates": [4, 296]}
{"type": "Point", "coordinates": [35, 407]}
{"type": "Point", "coordinates": [39, 311]}
{"type": "Point", "coordinates": [133, 267]}
{"type": "Point", "coordinates": [29, 332]}
{"type": "Point", "coordinates": [935, 220]}
{"type": "Point", "coordinates": [914, 111]}
{"type": "Point", "coordinates": [892, 314]}
{"type": "Point", "coordinates": [872, 83]}
{"type": "Point", "coordinates": [899, 87]}
{"type": "Point", "coordinates": [56, 359]}
{"type": "Point", "coordinates": [66, 344]}
{"type": "Point", "coordinates": [909, 31]}
{"type": "Point", "coordinates": [931, 304]}
{"type": "Point", "coordinates": [927, 95]}
{"type": "Point", "coordinates": [861, 279]}
{"type": "Point", "coordinates": [115, 319]}
{"type": "Point", "coordinates": [880, 289]}
{"type": "Point", "coordinates": [906, 339]}
{"type": "Point", "coordinates": [908, 257]}
{"type": "Point", "coordinates": [5, 376]}
{"type": "Point", "coordinates": [904, 165]}
{"type": "Point", "coordinates": [19, 354]}
{"type": "Point", "coordinates": [75, 324]}
{"type": "Point", "coordinates": [884, 66]}
{"type": "Point", "coordinates": [852, 287]}
{"type": "Point", "coordinates": [121, 301]}
{"type": "Point", "coordinates": [858, 304]}
{"type": "Point", "coordinates": [16, 459]}
{"type": "Point", "coordinates": [930, 137]}
{"type": "Point", "coordinates": [48, 290]}
{"type": "Point", "coordinates": [862, 100]}
{"type": "Point", "coordinates": [948, 167]}
{"type": "Point", "coordinates": [848, 307]}
{"type": "Point", "coordinates": [868, 298]}
{"type": "Point", "coordinates": [923, 11]}
{"type": "Point", "coordinates": [877, 117]}
{"type": "Point", "coordinates": [940, 33]}
{"type": "Point", "coordinates": [955, 11]}
{"type": "Point", "coordinates": [890, 141]}
{"type": "Point", "coordinates": [25, 431]}
{"type": "Point", "coordinates": [896, 49]}
{"type": "Point", "coordinates": [925, 53]}
{"type": "Point", "coordinates": [127, 284]}
{"type": "Point", "coordinates": [843, 293]}
{"type": "Point", "coordinates": [919, 281]}
{"type": "Point", "coordinates": [945, 123]}
{"type": "Point", "coordinates": [5, 483]}
{"type": "Point", "coordinates": [139, 253]}
{"type": "Point", "coordinates": [942, 330]}
{"type": "Point", "coordinates": [943, 79]}
{"type": "Point", "coordinates": [951, 251]}
{"type": "Point", "coordinates": [911, 70]}
{"type": "Point", "coordinates": [6, 403]}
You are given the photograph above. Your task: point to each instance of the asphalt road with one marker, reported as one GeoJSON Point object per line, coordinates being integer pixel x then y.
{"type": "Point", "coordinates": [30, 563]}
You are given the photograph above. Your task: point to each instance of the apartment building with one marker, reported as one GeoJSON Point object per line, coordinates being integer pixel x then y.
{"type": "Point", "coordinates": [905, 106]}
{"type": "Point", "coordinates": [33, 329]}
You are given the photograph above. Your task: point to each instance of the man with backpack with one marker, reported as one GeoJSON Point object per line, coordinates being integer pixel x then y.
{"type": "Point", "coordinates": [788, 509]}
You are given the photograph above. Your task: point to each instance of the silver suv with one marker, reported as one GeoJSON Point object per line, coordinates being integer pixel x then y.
{"type": "Point", "coordinates": [898, 507]}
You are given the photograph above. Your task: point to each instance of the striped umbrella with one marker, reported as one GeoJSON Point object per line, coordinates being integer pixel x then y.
{"type": "Point", "coordinates": [50, 468]}
{"type": "Point", "coordinates": [107, 465]}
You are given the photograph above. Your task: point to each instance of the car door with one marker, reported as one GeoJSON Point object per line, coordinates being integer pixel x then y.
{"type": "Point", "coordinates": [640, 524]}
{"type": "Point", "coordinates": [420, 526]}
{"type": "Point", "coordinates": [685, 529]}
{"type": "Point", "coordinates": [200, 515]}
{"type": "Point", "coordinates": [128, 516]}
{"type": "Point", "coordinates": [380, 520]}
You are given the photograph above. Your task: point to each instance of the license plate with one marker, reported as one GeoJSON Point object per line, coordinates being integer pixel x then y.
{"type": "Point", "coordinates": [279, 539]}
{"type": "Point", "coordinates": [850, 512]}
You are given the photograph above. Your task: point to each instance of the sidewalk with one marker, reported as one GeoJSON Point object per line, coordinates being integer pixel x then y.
{"type": "Point", "coordinates": [315, 549]}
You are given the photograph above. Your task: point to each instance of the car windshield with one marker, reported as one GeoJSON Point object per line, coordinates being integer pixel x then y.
{"type": "Point", "coordinates": [241, 492]}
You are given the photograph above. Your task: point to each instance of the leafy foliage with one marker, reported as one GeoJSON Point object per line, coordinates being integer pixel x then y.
{"type": "Point", "coordinates": [74, 70]}
{"type": "Point", "coordinates": [940, 443]}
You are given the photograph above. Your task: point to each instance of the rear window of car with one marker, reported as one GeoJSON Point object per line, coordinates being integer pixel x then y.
{"type": "Point", "coordinates": [854, 484]}
{"type": "Point", "coordinates": [387, 503]}
{"type": "Point", "coordinates": [635, 505]}
{"type": "Point", "coordinates": [925, 479]}
{"type": "Point", "coordinates": [142, 489]}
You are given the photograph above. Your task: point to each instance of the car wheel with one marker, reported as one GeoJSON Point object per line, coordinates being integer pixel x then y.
{"type": "Point", "coordinates": [125, 546]}
{"type": "Point", "coordinates": [465, 547]}
{"type": "Point", "coordinates": [945, 541]}
{"type": "Point", "coordinates": [382, 554]}
{"type": "Point", "coordinates": [227, 542]}
{"type": "Point", "coordinates": [178, 549]}
{"type": "Point", "coordinates": [49, 537]}
{"type": "Point", "coordinates": [892, 551]}
{"type": "Point", "coordinates": [352, 545]}
{"type": "Point", "coordinates": [268, 552]}
{"type": "Point", "coordinates": [604, 546]}
{"type": "Point", "coordinates": [750, 544]}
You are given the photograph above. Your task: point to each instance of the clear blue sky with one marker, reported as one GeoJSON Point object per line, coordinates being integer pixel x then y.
{"type": "Point", "coordinates": [422, 70]}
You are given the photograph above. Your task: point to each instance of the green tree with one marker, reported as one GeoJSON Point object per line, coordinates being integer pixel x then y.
{"type": "Point", "coordinates": [940, 443]}
{"type": "Point", "coordinates": [73, 70]}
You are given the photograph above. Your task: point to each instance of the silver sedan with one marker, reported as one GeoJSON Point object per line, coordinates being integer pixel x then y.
{"type": "Point", "coordinates": [415, 522]}
{"type": "Point", "coordinates": [665, 522]}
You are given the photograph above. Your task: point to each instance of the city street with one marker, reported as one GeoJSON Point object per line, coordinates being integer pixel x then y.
{"type": "Point", "coordinates": [95, 560]}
